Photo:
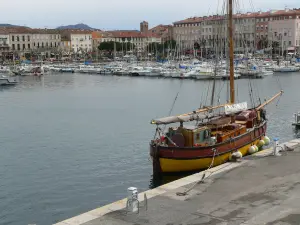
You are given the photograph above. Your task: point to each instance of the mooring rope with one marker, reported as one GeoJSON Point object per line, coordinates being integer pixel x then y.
{"type": "Point", "coordinates": [203, 177]}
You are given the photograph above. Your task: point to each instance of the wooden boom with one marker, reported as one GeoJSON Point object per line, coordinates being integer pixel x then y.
{"type": "Point", "coordinates": [269, 101]}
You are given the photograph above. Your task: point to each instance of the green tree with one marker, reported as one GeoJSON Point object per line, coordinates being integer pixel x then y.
{"type": "Point", "coordinates": [110, 46]}
{"type": "Point", "coordinates": [263, 43]}
{"type": "Point", "coordinates": [106, 46]}
{"type": "Point", "coordinates": [170, 44]}
{"type": "Point", "coordinates": [196, 45]}
{"type": "Point", "coordinates": [154, 47]}
{"type": "Point", "coordinates": [275, 44]}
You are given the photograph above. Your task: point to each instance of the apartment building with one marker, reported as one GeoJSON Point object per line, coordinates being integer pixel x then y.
{"type": "Point", "coordinates": [209, 31]}
{"type": "Point", "coordinates": [96, 39]}
{"type": "Point", "coordinates": [46, 39]}
{"type": "Point", "coordinates": [164, 31]}
{"type": "Point", "coordinates": [81, 40]}
{"type": "Point", "coordinates": [20, 39]}
{"type": "Point", "coordinates": [249, 29]}
{"type": "Point", "coordinates": [139, 39]}
{"type": "Point", "coordinates": [281, 26]}
{"type": "Point", "coordinates": [4, 43]}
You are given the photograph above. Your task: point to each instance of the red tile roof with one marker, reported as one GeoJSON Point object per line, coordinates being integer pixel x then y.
{"type": "Point", "coordinates": [241, 16]}
{"type": "Point", "coordinates": [15, 30]}
{"type": "Point", "coordinates": [287, 12]}
{"type": "Point", "coordinates": [161, 28]}
{"type": "Point", "coordinates": [76, 31]}
{"type": "Point", "coordinates": [45, 31]}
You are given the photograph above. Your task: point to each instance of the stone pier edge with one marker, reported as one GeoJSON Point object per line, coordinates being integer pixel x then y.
{"type": "Point", "coordinates": [121, 204]}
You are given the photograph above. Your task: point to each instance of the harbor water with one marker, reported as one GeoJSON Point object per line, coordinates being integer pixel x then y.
{"type": "Point", "coordinates": [73, 142]}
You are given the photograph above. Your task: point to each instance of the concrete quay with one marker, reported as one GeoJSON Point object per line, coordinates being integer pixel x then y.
{"type": "Point", "coordinates": [259, 189]}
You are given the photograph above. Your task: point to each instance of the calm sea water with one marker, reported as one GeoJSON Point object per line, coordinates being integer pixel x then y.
{"type": "Point", "coordinates": [71, 143]}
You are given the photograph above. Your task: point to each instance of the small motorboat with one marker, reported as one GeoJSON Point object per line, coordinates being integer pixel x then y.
{"type": "Point", "coordinates": [6, 80]}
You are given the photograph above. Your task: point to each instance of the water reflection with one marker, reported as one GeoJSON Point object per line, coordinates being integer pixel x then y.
{"type": "Point", "coordinates": [297, 132]}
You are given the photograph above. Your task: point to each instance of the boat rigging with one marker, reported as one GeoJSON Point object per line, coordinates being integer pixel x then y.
{"type": "Point", "coordinates": [216, 136]}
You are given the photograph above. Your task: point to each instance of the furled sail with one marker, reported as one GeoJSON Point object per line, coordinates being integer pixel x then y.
{"type": "Point", "coordinates": [235, 108]}
{"type": "Point", "coordinates": [182, 118]}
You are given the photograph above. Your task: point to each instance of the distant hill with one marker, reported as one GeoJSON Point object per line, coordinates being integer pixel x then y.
{"type": "Point", "coordinates": [9, 25]}
{"type": "Point", "coordinates": [80, 26]}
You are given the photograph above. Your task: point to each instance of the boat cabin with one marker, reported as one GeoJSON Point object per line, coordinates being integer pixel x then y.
{"type": "Point", "coordinates": [215, 131]}
{"type": "Point", "coordinates": [189, 136]}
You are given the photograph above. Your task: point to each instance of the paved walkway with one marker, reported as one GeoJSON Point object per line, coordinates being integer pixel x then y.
{"type": "Point", "coordinates": [264, 190]}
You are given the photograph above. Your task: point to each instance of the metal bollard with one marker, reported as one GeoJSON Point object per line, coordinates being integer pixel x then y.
{"type": "Point", "coordinates": [132, 200]}
{"type": "Point", "coordinates": [276, 147]}
{"type": "Point", "coordinates": [145, 202]}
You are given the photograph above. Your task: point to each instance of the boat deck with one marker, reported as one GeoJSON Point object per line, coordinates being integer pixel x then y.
{"type": "Point", "coordinates": [261, 189]}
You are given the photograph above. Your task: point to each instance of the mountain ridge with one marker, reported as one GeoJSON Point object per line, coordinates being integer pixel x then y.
{"type": "Point", "coordinates": [80, 26]}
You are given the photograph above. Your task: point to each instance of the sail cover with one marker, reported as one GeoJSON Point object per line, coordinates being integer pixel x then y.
{"type": "Point", "coordinates": [182, 118]}
{"type": "Point", "coordinates": [235, 108]}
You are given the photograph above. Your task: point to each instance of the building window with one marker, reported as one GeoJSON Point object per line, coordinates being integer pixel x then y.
{"type": "Point", "coordinates": [28, 38]}
{"type": "Point", "coordinates": [42, 44]}
{"type": "Point", "coordinates": [13, 38]}
{"type": "Point", "coordinates": [38, 44]}
{"type": "Point", "coordinates": [285, 34]}
{"type": "Point", "coordinates": [290, 43]}
{"type": "Point", "coordinates": [28, 46]}
{"type": "Point", "coordinates": [23, 46]}
{"type": "Point", "coordinates": [13, 46]}
{"type": "Point", "coordinates": [51, 44]}
{"type": "Point", "coordinates": [18, 38]}
{"type": "Point", "coordinates": [55, 44]}
{"type": "Point", "coordinates": [23, 38]}
{"type": "Point", "coordinates": [19, 47]}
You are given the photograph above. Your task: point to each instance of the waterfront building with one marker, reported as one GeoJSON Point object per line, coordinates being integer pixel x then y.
{"type": "Point", "coordinates": [20, 40]}
{"type": "Point", "coordinates": [81, 40]}
{"type": "Point", "coordinates": [96, 40]}
{"type": "Point", "coordinates": [279, 26]}
{"type": "Point", "coordinates": [139, 39]}
{"type": "Point", "coordinates": [208, 30]}
{"type": "Point", "coordinates": [163, 31]}
{"type": "Point", "coordinates": [65, 46]}
{"type": "Point", "coordinates": [46, 42]}
{"type": "Point", "coordinates": [4, 45]}
{"type": "Point", "coordinates": [249, 30]}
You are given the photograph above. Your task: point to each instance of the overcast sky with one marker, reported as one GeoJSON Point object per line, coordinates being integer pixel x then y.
{"type": "Point", "coordinates": [118, 14]}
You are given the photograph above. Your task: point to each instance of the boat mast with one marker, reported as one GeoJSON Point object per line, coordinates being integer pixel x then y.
{"type": "Point", "coordinates": [231, 56]}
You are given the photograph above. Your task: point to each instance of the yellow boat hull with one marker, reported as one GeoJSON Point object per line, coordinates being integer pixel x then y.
{"type": "Point", "coordinates": [185, 165]}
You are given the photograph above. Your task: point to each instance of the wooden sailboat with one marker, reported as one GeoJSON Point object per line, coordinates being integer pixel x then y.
{"type": "Point", "coordinates": [215, 137]}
